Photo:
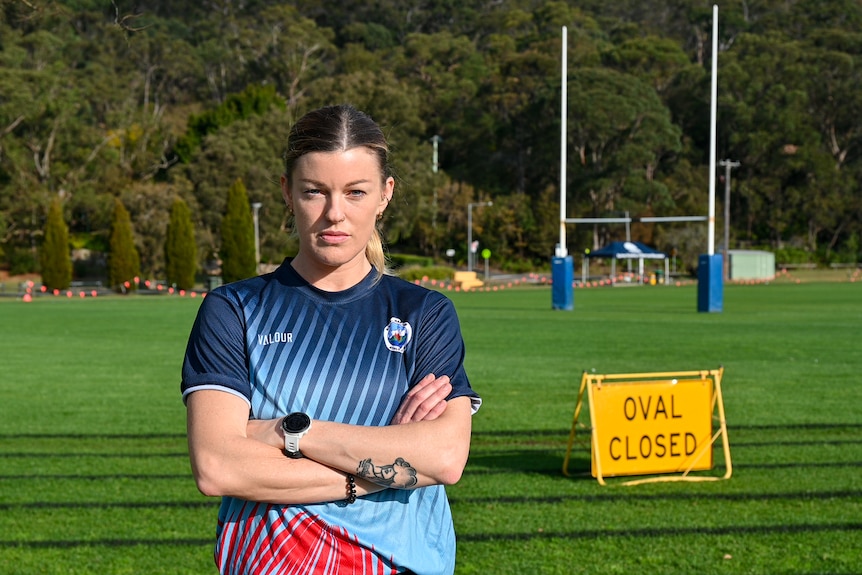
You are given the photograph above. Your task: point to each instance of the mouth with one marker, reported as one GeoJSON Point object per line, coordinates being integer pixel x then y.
{"type": "Point", "coordinates": [334, 237]}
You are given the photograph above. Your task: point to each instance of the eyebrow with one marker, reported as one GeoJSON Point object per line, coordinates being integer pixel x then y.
{"type": "Point", "coordinates": [321, 184]}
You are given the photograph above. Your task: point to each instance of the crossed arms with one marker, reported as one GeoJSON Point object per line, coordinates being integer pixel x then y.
{"type": "Point", "coordinates": [426, 443]}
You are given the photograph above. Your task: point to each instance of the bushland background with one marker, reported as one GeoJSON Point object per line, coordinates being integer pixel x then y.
{"type": "Point", "coordinates": [149, 101]}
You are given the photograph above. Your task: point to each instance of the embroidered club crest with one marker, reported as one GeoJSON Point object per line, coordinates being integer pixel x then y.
{"type": "Point", "coordinates": [397, 335]}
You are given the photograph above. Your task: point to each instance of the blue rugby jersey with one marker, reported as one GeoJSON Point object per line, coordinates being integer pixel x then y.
{"type": "Point", "coordinates": [347, 356]}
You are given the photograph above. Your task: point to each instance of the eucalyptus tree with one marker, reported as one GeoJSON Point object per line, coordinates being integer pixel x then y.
{"type": "Point", "coordinates": [620, 133]}
{"type": "Point", "coordinates": [765, 107]}
{"type": "Point", "coordinates": [834, 64]}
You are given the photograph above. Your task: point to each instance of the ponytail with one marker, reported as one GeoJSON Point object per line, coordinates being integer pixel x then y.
{"type": "Point", "coordinates": [375, 254]}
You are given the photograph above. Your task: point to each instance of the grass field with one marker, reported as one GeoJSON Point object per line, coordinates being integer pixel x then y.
{"type": "Point", "coordinates": [94, 475]}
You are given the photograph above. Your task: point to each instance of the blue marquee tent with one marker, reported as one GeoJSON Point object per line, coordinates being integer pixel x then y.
{"type": "Point", "coordinates": [629, 251]}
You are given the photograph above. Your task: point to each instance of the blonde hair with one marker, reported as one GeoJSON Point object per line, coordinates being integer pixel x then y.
{"type": "Point", "coordinates": [341, 128]}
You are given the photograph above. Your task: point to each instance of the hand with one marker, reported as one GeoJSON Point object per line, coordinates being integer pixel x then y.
{"type": "Point", "coordinates": [266, 431]}
{"type": "Point", "coordinates": [425, 401]}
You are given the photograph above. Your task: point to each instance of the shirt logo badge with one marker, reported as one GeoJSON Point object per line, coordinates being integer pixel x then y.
{"type": "Point", "coordinates": [397, 335]}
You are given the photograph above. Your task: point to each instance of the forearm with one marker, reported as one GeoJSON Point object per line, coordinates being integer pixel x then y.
{"type": "Point", "coordinates": [255, 472]}
{"type": "Point", "coordinates": [399, 456]}
{"type": "Point", "coordinates": [227, 462]}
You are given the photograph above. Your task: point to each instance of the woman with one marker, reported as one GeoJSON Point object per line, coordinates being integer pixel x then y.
{"type": "Point", "coordinates": [327, 402]}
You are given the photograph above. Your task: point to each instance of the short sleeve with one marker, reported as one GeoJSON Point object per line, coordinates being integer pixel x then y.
{"type": "Point", "coordinates": [442, 349]}
{"type": "Point", "coordinates": [216, 356]}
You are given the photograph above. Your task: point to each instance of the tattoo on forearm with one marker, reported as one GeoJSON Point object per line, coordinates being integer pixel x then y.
{"type": "Point", "coordinates": [400, 474]}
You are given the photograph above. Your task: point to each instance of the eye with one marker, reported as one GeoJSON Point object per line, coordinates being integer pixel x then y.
{"type": "Point", "coordinates": [357, 193]}
{"type": "Point", "coordinates": [312, 192]}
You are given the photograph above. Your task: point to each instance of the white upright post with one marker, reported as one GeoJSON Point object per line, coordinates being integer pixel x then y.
{"type": "Point", "coordinates": [562, 273]}
{"type": "Point", "coordinates": [710, 287]}
{"type": "Point", "coordinates": [561, 250]}
{"type": "Point", "coordinates": [712, 133]}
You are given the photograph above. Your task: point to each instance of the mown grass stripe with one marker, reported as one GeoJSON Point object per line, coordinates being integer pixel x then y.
{"type": "Point", "coordinates": [136, 455]}
{"type": "Point", "coordinates": [546, 499]}
{"type": "Point", "coordinates": [138, 476]}
{"type": "Point", "coordinates": [115, 505]}
{"type": "Point", "coordinates": [482, 537]}
{"type": "Point", "coordinates": [663, 532]}
{"type": "Point", "coordinates": [639, 497]}
{"type": "Point", "coordinates": [108, 543]}
{"type": "Point", "coordinates": [473, 471]}
{"type": "Point", "coordinates": [65, 436]}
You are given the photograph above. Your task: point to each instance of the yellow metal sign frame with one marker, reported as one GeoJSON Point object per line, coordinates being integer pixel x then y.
{"type": "Point", "coordinates": [700, 459]}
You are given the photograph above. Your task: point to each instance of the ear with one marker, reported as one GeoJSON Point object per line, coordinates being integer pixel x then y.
{"type": "Point", "coordinates": [285, 193]}
{"type": "Point", "coordinates": [388, 190]}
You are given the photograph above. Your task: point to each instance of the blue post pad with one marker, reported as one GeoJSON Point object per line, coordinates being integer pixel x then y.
{"type": "Point", "coordinates": [562, 273]}
{"type": "Point", "coordinates": [710, 283]}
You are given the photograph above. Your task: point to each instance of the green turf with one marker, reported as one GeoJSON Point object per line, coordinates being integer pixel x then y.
{"type": "Point", "coordinates": [94, 475]}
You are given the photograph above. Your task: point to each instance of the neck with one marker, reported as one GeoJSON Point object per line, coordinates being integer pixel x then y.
{"type": "Point", "coordinates": [331, 278]}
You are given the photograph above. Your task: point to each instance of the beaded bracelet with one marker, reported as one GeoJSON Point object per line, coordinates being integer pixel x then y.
{"type": "Point", "coordinates": [351, 489]}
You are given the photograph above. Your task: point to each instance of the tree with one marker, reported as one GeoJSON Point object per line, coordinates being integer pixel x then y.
{"type": "Point", "coordinates": [237, 236]}
{"type": "Point", "coordinates": [97, 98]}
{"type": "Point", "coordinates": [772, 135]}
{"type": "Point", "coordinates": [621, 133]}
{"type": "Point", "coordinates": [180, 247]}
{"type": "Point", "coordinates": [124, 263]}
{"type": "Point", "coordinates": [54, 257]}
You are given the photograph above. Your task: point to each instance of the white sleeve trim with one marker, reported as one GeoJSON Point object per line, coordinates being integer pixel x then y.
{"type": "Point", "coordinates": [213, 387]}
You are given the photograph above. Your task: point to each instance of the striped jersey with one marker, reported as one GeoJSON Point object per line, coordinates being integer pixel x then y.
{"type": "Point", "coordinates": [349, 357]}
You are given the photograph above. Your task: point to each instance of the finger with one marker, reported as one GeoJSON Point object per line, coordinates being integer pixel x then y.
{"type": "Point", "coordinates": [432, 402]}
{"type": "Point", "coordinates": [405, 409]}
{"type": "Point", "coordinates": [428, 396]}
{"type": "Point", "coordinates": [436, 411]}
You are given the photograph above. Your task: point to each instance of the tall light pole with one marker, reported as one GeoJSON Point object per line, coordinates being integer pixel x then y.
{"type": "Point", "coordinates": [435, 164]}
{"type": "Point", "coordinates": [470, 232]}
{"type": "Point", "coordinates": [728, 165]}
{"type": "Point", "coordinates": [255, 206]}
{"type": "Point", "coordinates": [434, 158]}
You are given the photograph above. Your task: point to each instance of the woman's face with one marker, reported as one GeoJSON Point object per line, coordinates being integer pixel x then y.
{"type": "Point", "coordinates": [336, 198]}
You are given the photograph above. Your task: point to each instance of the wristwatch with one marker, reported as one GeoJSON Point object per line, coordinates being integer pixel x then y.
{"type": "Point", "coordinates": [294, 425]}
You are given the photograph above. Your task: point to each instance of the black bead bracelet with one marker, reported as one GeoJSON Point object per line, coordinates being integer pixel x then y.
{"type": "Point", "coordinates": [351, 489]}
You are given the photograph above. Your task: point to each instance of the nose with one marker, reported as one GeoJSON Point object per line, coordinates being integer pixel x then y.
{"type": "Point", "coordinates": [335, 208]}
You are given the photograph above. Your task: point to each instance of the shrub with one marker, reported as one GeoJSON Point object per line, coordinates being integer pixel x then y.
{"type": "Point", "coordinates": [55, 258]}
{"type": "Point", "coordinates": [21, 261]}
{"type": "Point", "coordinates": [237, 236]}
{"type": "Point", "coordinates": [124, 262]}
{"type": "Point", "coordinates": [180, 247]}
{"type": "Point", "coordinates": [431, 272]}
{"type": "Point", "coordinates": [406, 260]}
{"type": "Point", "coordinates": [789, 255]}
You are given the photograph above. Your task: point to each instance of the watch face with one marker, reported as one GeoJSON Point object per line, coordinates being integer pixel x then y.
{"type": "Point", "coordinates": [295, 422]}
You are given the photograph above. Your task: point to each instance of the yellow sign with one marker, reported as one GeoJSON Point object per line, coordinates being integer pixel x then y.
{"type": "Point", "coordinates": [652, 426]}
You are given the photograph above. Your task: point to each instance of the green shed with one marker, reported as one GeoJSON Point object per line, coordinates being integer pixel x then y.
{"type": "Point", "coordinates": [751, 265]}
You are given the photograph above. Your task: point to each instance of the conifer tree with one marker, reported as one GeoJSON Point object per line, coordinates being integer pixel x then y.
{"type": "Point", "coordinates": [54, 257]}
{"type": "Point", "coordinates": [237, 236]}
{"type": "Point", "coordinates": [180, 247]}
{"type": "Point", "coordinates": [124, 263]}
